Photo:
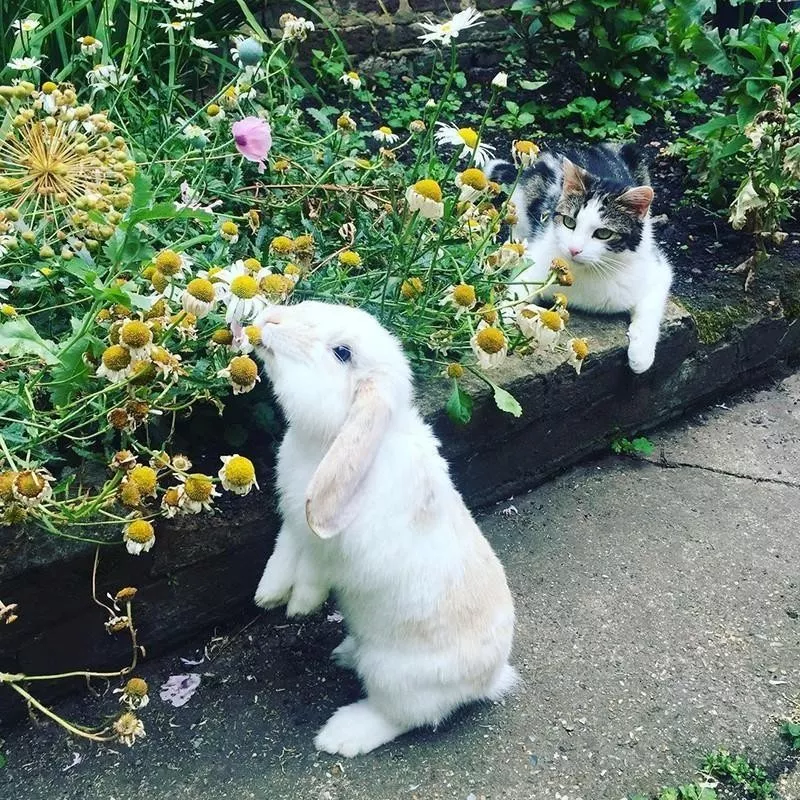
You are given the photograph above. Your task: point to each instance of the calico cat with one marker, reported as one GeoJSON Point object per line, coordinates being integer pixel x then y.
{"type": "Point", "coordinates": [591, 207]}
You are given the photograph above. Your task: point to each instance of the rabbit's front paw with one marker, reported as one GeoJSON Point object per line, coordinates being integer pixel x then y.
{"type": "Point", "coordinates": [345, 654]}
{"type": "Point", "coordinates": [275, 585]}
{"type": "Point", "coordinates": [305, 598]}
{"type": "Point", "coordinates": [355, 729]}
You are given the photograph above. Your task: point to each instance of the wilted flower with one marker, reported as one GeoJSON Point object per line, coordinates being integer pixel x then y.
{"type": "Point", "coordinates": [197, 493]}
{"type": "Point", "coordinates": [346, 123]}
{"type": "Point", "coordinates": [229, 231]}
{"type": "Point", "coordinates": [137, 337]}
{"type": "Point", "coordinates": [444, 32]}
{"type": "Point", "coordinates": [296, 28]}
{"type": "Point", "coordinates": [134, 695]}
{"type": "Point", "coordinates": [524, 152]}
{"type": "Point", "coordinates": [385, 134]}
{"type": "Point", "coordinates": [473, 183]}
{"type": "Point", "coordinates": [461, 297]}
{"type": "Point", "coordinates": [199, 297]}
{"type": "Point", "coordinates": [129, 728]}
{"type": "Point", "coordinates": [90, 45]}
{"type": "Point", "coordinates": [238, 474]}
{"type": "Point", "coordinates": [412, 288]}
{"type": "Point", "coordinates": [116, 363]}
{"type": "Point", "coordinates": [467, 139]}
{"type": "Point", "coordinates": [32, 487]}
{"type": "Point", "coordinates": [253, 139]}
{"type": "Point", "coordinates": [351, 79]}
{"type": "Point", "coordinates": [425, 196]}
{"type": "Point", "coordinates": [578, 350]}
{"type": "Point", "coordinates": [746, 201]}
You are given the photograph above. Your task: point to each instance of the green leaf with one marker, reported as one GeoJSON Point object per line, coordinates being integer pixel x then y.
{"type": "Point", "coordinates": [167, 210]}
{"type": "Point", "coordinates": [709, 51]}
{"type": "Point", "coordinates": [641, 444]}
{"type": "Point", "coordinates": [637, 117]}
{"type": "Point", "coordinates": [459, 405]}
{"type": "Point", "coordinates": [640, 42]}
{"type": "Point", "coordinates": [713, 125]}
{"type": "Point", "coordinates": [506, 401]}
{"type": "Point", "coordinates": [531, 86]}
{"type": "Point", "coordinates": [563, 19]}
{"type": "Point", "coordinates": [19, 338]}
{"type": "Point", "coordinates": [3, 761]}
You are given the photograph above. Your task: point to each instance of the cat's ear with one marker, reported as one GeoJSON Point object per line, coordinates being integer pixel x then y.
{"type": "Point", "coordinates": [637, 200]}
{"type": "Point", "coordinates": [574, 178]}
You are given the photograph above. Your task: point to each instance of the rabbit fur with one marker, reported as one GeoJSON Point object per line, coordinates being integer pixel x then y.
{"type": "Point", "coordinates": [370, 512]}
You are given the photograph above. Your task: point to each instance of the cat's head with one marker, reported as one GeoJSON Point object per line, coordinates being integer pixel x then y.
{"type": "Point", "coordinates": [594, 221]}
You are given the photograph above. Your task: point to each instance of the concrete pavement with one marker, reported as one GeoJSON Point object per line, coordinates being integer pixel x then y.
{"type": "Point", "coordinates": [659, 618]}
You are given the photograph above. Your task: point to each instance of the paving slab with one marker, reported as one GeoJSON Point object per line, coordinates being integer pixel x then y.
{"type": "Point", "coordinates": [658, 618]}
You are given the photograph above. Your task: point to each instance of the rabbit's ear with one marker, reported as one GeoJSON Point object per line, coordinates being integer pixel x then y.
{"type": "Point", "coordinates": [332, 495]}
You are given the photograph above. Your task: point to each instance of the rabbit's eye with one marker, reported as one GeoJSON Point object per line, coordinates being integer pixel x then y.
{"type": "Point", "coordinates": [343, 353]}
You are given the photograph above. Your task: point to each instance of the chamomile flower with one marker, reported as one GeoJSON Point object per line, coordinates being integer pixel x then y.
{"type": "Point", "coordinates": [24, 63]}
{"type": "Point", "coordinates": [196, 135]}
{"type": "Point", "coordinates": [461, 297]}
{"type": "Point", "coordinates": [26, 25]}
{"type": "Point", "coordinates": [171, 263]}
{"type": "Point", "coordinates": [129, 728]}
{"type": "Point", "coordinates": [174, 25]}
{"type": "Point", "coordinates": [524, 152]}
{"type": "Point", "coordinates": [134, 695]}
{"type": "Point", "coordinates": [444, 32]}
{"type": "Point", "coordinates": [467, 139]}
{"type": "Point", "coordinates": [198, 493]}
{"type": "Point", "coordinates": [203, 44]}
{"type": "Point", "coordinates": [238, 475]}
{"type": "Point", "coordinates": [295, 28]}
{"type": "Point", "coordinates": [578, 350]}
{"type": "Point", "coordinates": [116, 364]}
{"type": "Point", "coordinates": [351, 79]}
{"type": "Point", "coordinates": [472, 183]}
{"type": "Point", "coordinates": [385, 134]}
{"type": "Point", "coordinates": [229, 231]}
{"type": "Point", "coordinates": [139, 536]}
{"type": "Point", "coordinates": [490, 346]}
{"type": "Point", "coordinates": [31, 487]}
{"type": "Point", "coordinates": [238, 288]}
{"type": "Point", "coordinates": [137, 337]}
{"type": "Point", "coordinates": [199, 297]}
{"type": "Point", "coordinates": [242, 372]}
{"type": "Point", "coordinates": [345, 123]}
{"type": "Point", "coordinates": [425, 196]}
{"type": "Point", "coordinates": [90, 45]}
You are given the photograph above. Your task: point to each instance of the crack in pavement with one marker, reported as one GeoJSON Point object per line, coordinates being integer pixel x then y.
{"type": "Point", "coordinates": [666, 463]}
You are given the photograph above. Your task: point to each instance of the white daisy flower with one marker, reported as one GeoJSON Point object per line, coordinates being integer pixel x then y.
{"type": "Point", "coordinates": [139, 537]}
{"type": "Point", "coordinates": [175, 25]}
{"type": "Point", "coordinates": [351, 79]}
{"type": "Point", "coordinates": [425, 196]}
{"type": "Point", "coordinates": [444, 32]}
{"type": "Point", "coordinates": [578, 350]}
{"type": "Point", "coordinates": [385, 134]}
{"type": "Point", "coordinates": [194, 134]}
{"type": "Point", "coordinates": [238, 288]}
{"type": "Point", "coordinates": [203, 44]}
{"type": "Point", "coordinates": [490, 346]}
{"type": "Point", "coordinates": [467, 139]}
{"type": "Point", "coordinates": [27, 25]}
{"type": "Point", "coordinates": [23, 64]}
{"type": "Point", "coordinates": [90, 45]}
{"type": "Point", "coordinates": [199, 297]}
{"type": "Point", "coordinates": [238, 475]}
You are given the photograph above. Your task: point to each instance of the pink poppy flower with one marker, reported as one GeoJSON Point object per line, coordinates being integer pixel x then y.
{"type": "Point", "coordinates": [253, 139]}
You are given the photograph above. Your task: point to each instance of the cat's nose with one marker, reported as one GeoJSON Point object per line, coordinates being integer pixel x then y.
{"type": "Point", "coordinates": [574, 251]}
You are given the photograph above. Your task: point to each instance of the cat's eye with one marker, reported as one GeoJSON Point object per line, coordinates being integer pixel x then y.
{"type": "Point", "coordinates": [569, 222]}
{"type": "Point", "coordinates": [343, 353]}
{"type": "Point", "coordinates": [603, 233]}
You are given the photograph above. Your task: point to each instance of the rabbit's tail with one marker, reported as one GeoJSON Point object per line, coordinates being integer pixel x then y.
{"type": "Point", "coordinates": [505, 680]}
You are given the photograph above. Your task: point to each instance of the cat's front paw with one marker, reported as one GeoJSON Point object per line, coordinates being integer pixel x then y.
{"type": "Point", "coordinates": [640, 356]}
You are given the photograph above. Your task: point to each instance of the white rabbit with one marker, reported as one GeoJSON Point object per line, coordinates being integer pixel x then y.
{"type": "Point", "coordinates": [370, 512]}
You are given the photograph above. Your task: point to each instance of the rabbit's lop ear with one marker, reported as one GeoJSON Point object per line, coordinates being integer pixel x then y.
{"type": "Point", "coordinates": [332, 496]}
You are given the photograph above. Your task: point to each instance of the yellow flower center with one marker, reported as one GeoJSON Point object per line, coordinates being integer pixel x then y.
{"type": "Point", "coordinates": [198, 488]}
{"type": "Point", "coordinates": [558, 264]}
{"type": "Point", "coordinates": [244, 370]}
{"type": "Point", "coordinates": [253, 334]}
{"type": "Point", "coordinates": [412, 288]}
{"type": "Point", "coordinates": [135, 334]}
{"type": "Point", "coordinates": [222, 336]}
{"type": "Point", "coordinates": [469, 136]}
{"type": "Point", "coordinates": [213, 110]}
{"type": "Point", "coordinates": [525, 146]}
{"type": "Point", "coordinates": [282, 244]}
{"type": "Point", "coordinates": [6, 482]}
{"type": "Point", "coordinates": [201, 289]}
{"type": "Point", "coordinates": [253, 264]}
{"type": "Point", "coordinates": [385, 130]}
{"type": "Point", "coordinates": [116, 357]}
{"type": "Point", "coordinates": [353, 76]}
{"type": "Point", "coordinates": [140, 530]}
{"type": "Point", "coordinates": [455, 371]}
{"type": "Point", "coordinates": [239, 471]}
{"type": "Point", "coordinates": [275, 284]}
{"type": "Point", "coordinates": [88, 40]}
{"type": "Point", "coordinates": [144, 478]}
{"type": "Point", "coordinates": [488, 313]}
{"type": "Point", "coordinates": [292, 269]}
{"type": "Point", "coordinates": [172, 497]}
{"type": "Point", "coordinates": [281, 165]}
{"type": "Point", "coordinates": [551, 320]}
{"type": "Point", "coordinates": [168, 262]}
{"type": "Point", "coordinates": [229, 228]}
{"type": "Point", "coordinates": [136, 687]}
{"type": "Point", "coordinates": [515, 247]}
{"type": "Point", "coordinates": [464, 295]}
{"type": "Point", "coordinates": [491, 340]}
{"type": "Point", "coordinates": [560, 299]}
{"type": "Point", "coordinates": [581, 348]}
{"type": "Point", "coordinates": [303, 243]}
{"type": "Point", "coordinates": [475, 178]}
{"type": "Point", "coordinates": [29, 484]}
{"type": "Point", "coordinates": [428, 187]}
{"type": "Point", "coordinates": [130, 495]}
{"type": "Point", "coordinates": [244, 286]}
{"type": "Point", "coordinates": [48, 87]}
{"type": "Point", "coordinates": [8, 311]}
{"type": "Point", "coordinates": [349, 258]}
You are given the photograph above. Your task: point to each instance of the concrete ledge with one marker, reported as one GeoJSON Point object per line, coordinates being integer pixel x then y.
{"type": "Point", "coordinates": [205, 569]}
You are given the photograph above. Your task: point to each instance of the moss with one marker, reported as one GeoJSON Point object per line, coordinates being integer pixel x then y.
{"type": "Point", "coordinates": [714, 325]}
{"type": "Point", "coordinates": [790, 295]}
